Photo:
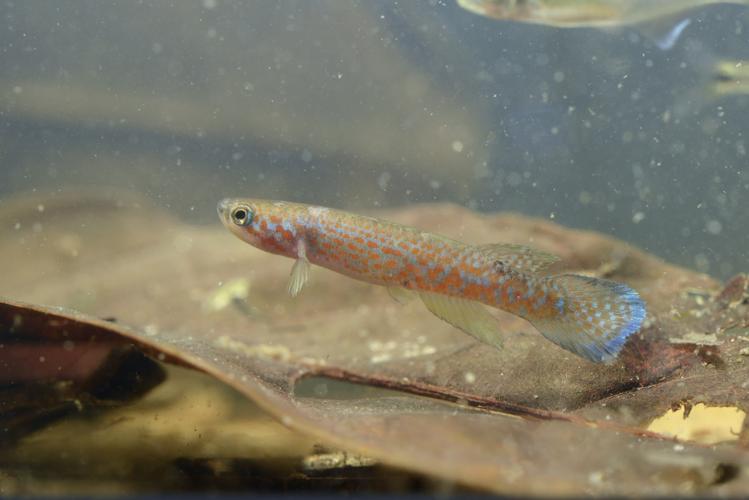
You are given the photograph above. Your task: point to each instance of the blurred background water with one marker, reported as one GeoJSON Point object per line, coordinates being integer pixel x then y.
{"type": "Point", "coordinates": [364, 104]}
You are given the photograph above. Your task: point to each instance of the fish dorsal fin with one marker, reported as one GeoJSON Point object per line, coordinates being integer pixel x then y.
{"type": "Point", "coordinates": [400, 294]}
{"type": "Point", "coordinates": [518, 257]}
{"type": "Point", "coordinates": [466, 315]}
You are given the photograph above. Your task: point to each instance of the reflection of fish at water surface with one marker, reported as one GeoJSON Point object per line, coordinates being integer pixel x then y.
{"type": "Point", "coordinates": [729, 77]}
{"type": "Point", "coordinates": [589, 317]}
{"type": "Point", "coordinates": [661, 20]}
{"type": "Point", "coordinates": [717, 80]}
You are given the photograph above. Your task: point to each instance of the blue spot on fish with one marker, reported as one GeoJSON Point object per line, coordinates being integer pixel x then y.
{"type": "Point", "coordinates": [559, 305]}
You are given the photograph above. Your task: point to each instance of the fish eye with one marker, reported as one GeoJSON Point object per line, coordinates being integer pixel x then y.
{"type": "Point", "coordinates": [241, 216]}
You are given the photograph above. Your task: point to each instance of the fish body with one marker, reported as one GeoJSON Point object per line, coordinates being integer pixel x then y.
{"type": "Point", "coordinates": [663, 21]}
{"type": "Point", "coordinates": [587, 316]}
{"type": "Point", "coordinates": [586, 13]}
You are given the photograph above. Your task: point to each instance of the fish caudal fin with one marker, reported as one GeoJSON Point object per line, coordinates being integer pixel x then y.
{"type": "Point", "coordinates": [595, 317]}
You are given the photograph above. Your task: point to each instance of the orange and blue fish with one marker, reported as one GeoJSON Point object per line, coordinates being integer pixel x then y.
{"type": "Point", "coordinates": [587, 316]}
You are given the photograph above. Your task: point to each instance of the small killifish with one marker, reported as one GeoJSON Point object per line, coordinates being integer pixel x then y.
{"type": "Point", "coordinates": [661, 20]}
{"type": "Point", "coordinates": [587, 316]}
{"type": "Point", "coordinates": [729, 77]}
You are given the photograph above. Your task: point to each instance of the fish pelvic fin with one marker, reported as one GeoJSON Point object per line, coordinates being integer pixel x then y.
{"type": "Point", "coordinates": [300, 270]}
{"type": "Point", "coordinates": [299, 276]}
{"type": "Point", "coordinates": [595, 317]}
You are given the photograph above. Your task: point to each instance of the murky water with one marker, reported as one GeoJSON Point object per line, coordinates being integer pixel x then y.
{"type": "Point", "coordinates": [366, 104]}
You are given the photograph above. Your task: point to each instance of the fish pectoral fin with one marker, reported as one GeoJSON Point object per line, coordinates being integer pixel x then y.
{"type": "Point", "coordinates": [400, 294]}
{"type": "Point", "coordinates": [518, 257]}
{"type": "Point", "coordinates": [466, 315]}
{"type": "Point", "coordinates": [299, 276]}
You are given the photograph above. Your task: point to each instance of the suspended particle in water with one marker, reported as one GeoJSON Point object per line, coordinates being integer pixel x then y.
{"type": "Point", "coordinates": [384, 180]}
{"type": "Point", "coordinates": [714, 226]}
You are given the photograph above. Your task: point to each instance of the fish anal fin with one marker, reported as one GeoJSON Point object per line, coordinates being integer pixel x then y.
{"type": "Point", "coordinates": [466, 315]}
{"type": "Point", "coordinates": [518, 257]}
{"type": "Point", "coordinates": [400, 294]}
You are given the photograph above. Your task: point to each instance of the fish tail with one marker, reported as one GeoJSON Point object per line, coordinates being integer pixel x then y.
{"type": "Point", "coordinates": [592, 317]}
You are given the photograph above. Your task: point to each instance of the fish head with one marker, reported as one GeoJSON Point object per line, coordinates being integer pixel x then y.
{"type": "Point", "coordinates": [261, 223]}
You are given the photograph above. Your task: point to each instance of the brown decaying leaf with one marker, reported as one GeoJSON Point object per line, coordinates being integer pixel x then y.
{"type": "Point", "coordinates": [581, 426]}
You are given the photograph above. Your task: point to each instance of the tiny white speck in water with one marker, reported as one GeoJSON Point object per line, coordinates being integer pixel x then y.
{"type": "Point", "coordinates": [638, 217]}
{"type": "Point", "coordinates": [470, 377]}
{"type": "Point", "coordinates": [457, 146]}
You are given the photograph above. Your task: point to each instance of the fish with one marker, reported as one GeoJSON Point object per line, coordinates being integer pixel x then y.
{"type": "Point", "coordinates": [590, 317]}
{"type": "Point", "coordinates": [717, 79]}
{"type": "Point", "coordinates": [650, 17]}
{"type": "Point", "coordinates": [729, 77]}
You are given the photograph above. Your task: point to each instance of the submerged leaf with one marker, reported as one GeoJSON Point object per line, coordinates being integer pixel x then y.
{"type": "Point", "coordinates": [315, 361]}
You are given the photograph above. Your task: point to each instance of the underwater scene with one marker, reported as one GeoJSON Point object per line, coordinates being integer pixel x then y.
{"type": "Point", "coordinates": [391, 247]}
